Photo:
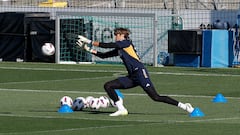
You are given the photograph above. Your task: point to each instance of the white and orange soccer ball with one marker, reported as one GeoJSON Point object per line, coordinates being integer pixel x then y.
{"type": "Point", "coordinates": [66, 100]}
{"type": "Point", "coordinates": [48, 49]}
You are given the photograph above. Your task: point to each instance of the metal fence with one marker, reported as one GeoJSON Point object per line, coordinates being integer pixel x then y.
{"type": "Point", "coordinates": [190, 14]}
{"type": "Point", "coordinates": [143, 4]}
{"type": "Point", "coordinates": [193, 12]}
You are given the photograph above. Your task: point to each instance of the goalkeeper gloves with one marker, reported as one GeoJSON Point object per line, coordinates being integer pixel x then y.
{"type": "Point", "coordinates": [80, 43]}
{"type": "Point", "coordinates": [84, 39]}
{"type": "Point", "coordinates": [85, 47]}
{"type": "Point", "coordinates": [83, 42]}
{"type": "Point", "coordinates": [88, 48]}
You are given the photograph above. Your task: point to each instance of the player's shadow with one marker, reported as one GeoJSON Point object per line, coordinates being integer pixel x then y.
{"type": "Point", "coordinates": [96, 112]}
{"type": "Point", "coordinates": [5, 112]}
{"type": "Point", "coordinates": [134, 113]}
{"type": "Point", "coordinates": [42, 111]}
{"type": "Point", "coordinates": [89, 111]}
{"type": "Point", "coordinates": [161, 113]}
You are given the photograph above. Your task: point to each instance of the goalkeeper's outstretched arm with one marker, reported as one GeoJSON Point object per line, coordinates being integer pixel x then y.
{"type": "Point", "coordinates": [106, 54]}
{"type": "Point", "coordinates": [104, 45]}
{"type": "Point", "coordinates": [86, 44]}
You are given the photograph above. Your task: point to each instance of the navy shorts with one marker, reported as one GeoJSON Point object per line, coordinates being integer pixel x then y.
{"type": "Point", "coordinates": [140, 77]}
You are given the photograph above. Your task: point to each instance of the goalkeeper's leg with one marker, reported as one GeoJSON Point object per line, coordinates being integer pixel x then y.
{"type": "Point", "coordinates": [165, 99]}
{"type": "Point", "coordinates": [156, 97]}
{"type": "Point", "coordinates": [110, 89]}
{"type": "Point", "coordinates": [145, 82]}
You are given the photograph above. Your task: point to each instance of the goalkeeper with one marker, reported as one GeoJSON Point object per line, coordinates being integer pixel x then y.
{"type": "Point", "coordinates": [137, 73]}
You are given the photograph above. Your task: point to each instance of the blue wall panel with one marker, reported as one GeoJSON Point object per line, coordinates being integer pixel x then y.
{"type": "Point", "coordinates": [230, 44]}
{"type": "Point", "coordinates": [215, 48]}
{"type": "Point", "coordinates": [206, 50]}
{"type": "Point", "coordinates": [187, 60]}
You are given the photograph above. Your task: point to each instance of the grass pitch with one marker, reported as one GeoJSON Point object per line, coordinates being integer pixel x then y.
{"type": "Point", "coordinates": [30, 94]}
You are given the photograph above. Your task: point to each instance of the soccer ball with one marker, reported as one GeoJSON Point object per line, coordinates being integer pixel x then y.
{"type": "Point", "coordinates": [113, 103]}
{"type": "Point", "coordinates": [78, 104]}
{"type": "Point", "coordinates": [88, 99]}
{"type": "Point", "coordinates": [104, 102]}
{"type": "Point", "coordinates": [94, 103]}
{"type": "Point", "coordinates": [48, 49]}
{"type": "Point", "coordinates": [84, 101]}
{"type": "Point", "coordinates": [66, 100]}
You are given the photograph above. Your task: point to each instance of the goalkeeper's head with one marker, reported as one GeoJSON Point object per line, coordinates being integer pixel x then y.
{"type": "Point", "coordinates": [124, 31]}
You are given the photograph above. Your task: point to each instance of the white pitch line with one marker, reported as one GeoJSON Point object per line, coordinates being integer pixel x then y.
{"type": "Point", "coordinates": [211, 120]}
{"type": "Point", "coordinates": [74, 79]}
{"type": "Point", "coordinates": [121, 126]}
{"type": "Point", "coordinates": [118, 71]}
{"type": "Point", "coordinates": [124, 120]}
{"type": "Point", "coordinates": [103, 93]}
{"type": "Point", "coordinates": [69, 129]}
{"type": "Point", "coordinates": [126, 125]}
{"type": "Point", "coordinates": [193, 74]}
{"type": "Point", "coordinates": [74, 118]}
{"type": "Point", "coordinates": [54, 69]}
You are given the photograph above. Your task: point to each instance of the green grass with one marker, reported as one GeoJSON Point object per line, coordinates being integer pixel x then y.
{"type": "Point", "coordinates": [30, 94]}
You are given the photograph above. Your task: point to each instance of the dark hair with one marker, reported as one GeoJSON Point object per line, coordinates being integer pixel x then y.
{"type": "Point", "coordinates": [126, 32]}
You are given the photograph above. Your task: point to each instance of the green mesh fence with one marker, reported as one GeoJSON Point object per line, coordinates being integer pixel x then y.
{"type": "Point", "coordinates": [69, 29]}
{"type": "Point", "coordinates": [100, 28]}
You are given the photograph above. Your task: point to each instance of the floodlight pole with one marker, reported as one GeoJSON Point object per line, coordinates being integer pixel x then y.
{"type": "Point", "coordinates": [119, 3]}
{"type": "Point", "coordinates": [155, 49]}
{"type": "Point", "coordinates": [176, 7]}
{"type": "Point", "coordinates": [175, 12]}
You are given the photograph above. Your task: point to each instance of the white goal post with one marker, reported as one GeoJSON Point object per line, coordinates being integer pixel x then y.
{"type": "Point", "coordinates": [144, 28]}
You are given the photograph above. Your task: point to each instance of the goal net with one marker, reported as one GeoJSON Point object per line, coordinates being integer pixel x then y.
{"type": "Point", "coordinates": [148, 33]}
